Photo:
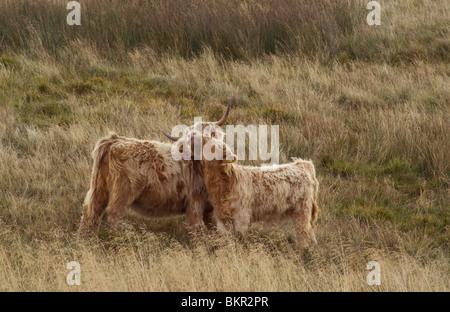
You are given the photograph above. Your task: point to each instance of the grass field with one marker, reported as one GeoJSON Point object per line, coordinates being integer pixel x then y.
{"type": "Point", "coordinates": [369, 105]}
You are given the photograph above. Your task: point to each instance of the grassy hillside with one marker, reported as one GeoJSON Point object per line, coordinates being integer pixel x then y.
{"type": "Point", "coordinates": [369, 105]}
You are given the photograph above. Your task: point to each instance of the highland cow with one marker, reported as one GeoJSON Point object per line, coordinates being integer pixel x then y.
{"type": "Point", "coordinates": [241, 195]}
{"type": "Point", "coordinates": [143, 176]}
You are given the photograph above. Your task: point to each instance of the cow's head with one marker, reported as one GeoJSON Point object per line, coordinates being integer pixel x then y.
{"type": "Point", "coordinates": [195, 135]}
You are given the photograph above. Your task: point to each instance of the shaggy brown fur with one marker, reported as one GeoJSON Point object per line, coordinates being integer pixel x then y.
{"type": "Point", "coordinates": [243, 194]}
{"type": "Point", "coordinates": [142, 175]}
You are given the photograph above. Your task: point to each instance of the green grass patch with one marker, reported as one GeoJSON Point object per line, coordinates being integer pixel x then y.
{"type": "Point", "coordinates": [81, 87]}
{"type": "Point", "coordinates": [337, 166]}
{"type": "Point", "coordinates": [277, 115]}
{"type": "Point", "coordinates": [45, 114]}
{"type": "Point", "coordinates": [9, 62]}
{"type": "Point", "coordinates": [405, 175]}
{"type": "Point", "coordinates": [369, 213]}
{"type": "Point", "coordinates": [432, 224]}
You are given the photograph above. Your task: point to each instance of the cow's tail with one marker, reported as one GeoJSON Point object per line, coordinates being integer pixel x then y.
{"type": "Point", "coordinates": [315, 207]}
{"type": "Point", "coordinates": [97, 197]}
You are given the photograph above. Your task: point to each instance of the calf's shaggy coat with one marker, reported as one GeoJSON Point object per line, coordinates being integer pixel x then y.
{"type": "Point", "coordinates": [244, 194]}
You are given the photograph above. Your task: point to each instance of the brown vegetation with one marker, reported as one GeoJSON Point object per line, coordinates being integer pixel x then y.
{"type": "Point", "coordinates": [369, 105]}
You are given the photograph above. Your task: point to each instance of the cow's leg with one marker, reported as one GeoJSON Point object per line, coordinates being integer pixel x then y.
{"type": "Point", "coordinates": [224, 223]}
{"type": "Point", "coordinates": [241, 221]}
{"type": "Point", "coordinates": [224, 226]}
{"type": "Point", "coordinates": [208, 217]}
{"type": "Point", "coordinates": [93, 208]}
{"type": "Point", "coordinates": [195, 213]}
{"type": "Point", "coordinates": [121, 198]}
{"type": "Point", "coordinates": [115, 210]}
{"type": "Point", "coordinates": [303, 229]}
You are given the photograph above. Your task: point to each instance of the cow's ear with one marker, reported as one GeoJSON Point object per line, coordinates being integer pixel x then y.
{"type": "Point", "coordinates": [232, 160]}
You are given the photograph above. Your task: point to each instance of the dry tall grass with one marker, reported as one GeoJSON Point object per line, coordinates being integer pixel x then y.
{"type": "Point", "coordinates": [231, 28]}
{"type": "Point", "coordinates": [377, 132]}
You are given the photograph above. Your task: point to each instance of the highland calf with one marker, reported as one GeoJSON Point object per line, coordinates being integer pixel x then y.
{"type": "Point", "coordinates": [244, 194]}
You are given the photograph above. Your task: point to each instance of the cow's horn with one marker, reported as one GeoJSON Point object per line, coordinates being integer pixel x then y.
{"type": "Point", "coordinates": [170, 137]}
{"type": "Point", "coordinates": [224, 117]}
